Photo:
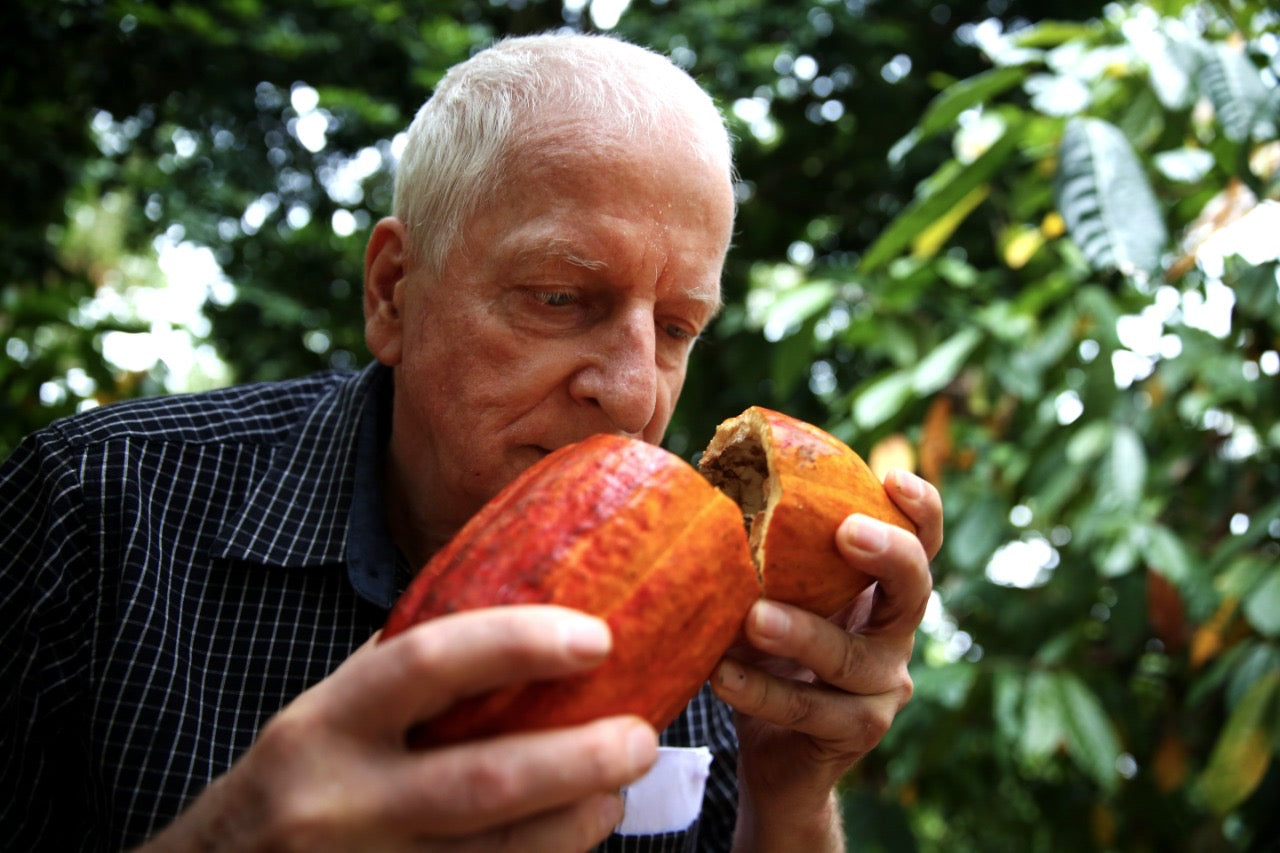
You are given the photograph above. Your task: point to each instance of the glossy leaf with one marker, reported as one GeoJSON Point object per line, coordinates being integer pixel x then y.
{"type": "Point", "coordinates": [882, 399]}
{"type": "Point", "coordinates": [1090, 738]}
{"type": "Point", "coordinates": [1243, 752]}
{"type": "Point", "coordinates": [942, 364]}
{"type": "Point", "coordinates": [1126, 469]}
{"type": "Point", "coordinates": [944, 109]}
{"type": "Point", "coordinates": [927, 209]}
{"type": "Point", "coordinates": [1236, 89]}
{"type": "Point", "coordinates": [1103, 194]}
{"type": "Point", "coordinates": [1262, 606]}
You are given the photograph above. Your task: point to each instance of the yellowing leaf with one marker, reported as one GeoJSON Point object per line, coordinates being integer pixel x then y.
{"type": "Point", "coordinates": [1104, 826]}
{"type": "Point", "coordinates": [893, 451]}
{"type": "Point", "coordinates": [931, 239]}
{"type": "Point", "coordinates": [935, 441]}
{"type": "Point", "coordinates": [1169, 764]}
{"type": "Point", "coordinates": [1243, 751]}
{"type": "Point", "coordinates": [1021, 245]}
{"type": "Point", "coordinates": [1053, 226]}
{"type": "Point", "coordinates": [1207, 642]}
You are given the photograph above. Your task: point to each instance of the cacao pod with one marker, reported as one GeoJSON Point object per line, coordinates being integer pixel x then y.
{"type": "Point", "coordinates": [795, 483]}
{"type": "Point", "coordinates": [617, 528]}
{"type": "Point", "coordinates": [633, 534]}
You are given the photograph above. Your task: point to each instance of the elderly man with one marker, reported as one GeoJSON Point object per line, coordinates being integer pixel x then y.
{"type": "Point", "coordinates": [191, 582]}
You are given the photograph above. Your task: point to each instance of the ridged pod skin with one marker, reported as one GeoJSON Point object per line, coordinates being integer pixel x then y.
{"type": "Point", "coordinates": [795, 484]}
{"type": "Point", "coordinates": [617, 528]}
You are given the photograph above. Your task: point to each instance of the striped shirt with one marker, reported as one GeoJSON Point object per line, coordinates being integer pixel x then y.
{"type": "Point", "coordinates": [177, 570]}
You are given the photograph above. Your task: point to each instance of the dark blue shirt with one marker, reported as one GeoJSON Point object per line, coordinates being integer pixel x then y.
{"type": "Point", "coordinates": [177, 570]}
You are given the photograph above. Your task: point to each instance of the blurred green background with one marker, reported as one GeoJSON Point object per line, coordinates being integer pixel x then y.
{"type": "Point", "coordinates": [1028, 249]}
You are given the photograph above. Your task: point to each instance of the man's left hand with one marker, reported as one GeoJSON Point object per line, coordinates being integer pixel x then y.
{"type": "Point", "coordinates": [814, 695]}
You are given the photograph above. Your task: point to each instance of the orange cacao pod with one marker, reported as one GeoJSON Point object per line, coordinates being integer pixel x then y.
{"type": "Point", "coordinates": [795, 483]}
{"type": "Point", "coordinates": [614, 527]}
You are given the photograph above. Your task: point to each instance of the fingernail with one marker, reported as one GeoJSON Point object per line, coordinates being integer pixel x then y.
{"type": "Point", "coordinates": [642, 747]}
{"type": "Point", "coordinates": [584, 637]}
{"type": "Point", "coordinates": [769, 620]}
{"type": "Point", "coordinates": [731, 675]}
{"type": "Point", "coordinates": [909, 485]}
{"type": "Point", "coordinates": [612, 810]}
{"type": "Point", "coordinates": [866, 534]}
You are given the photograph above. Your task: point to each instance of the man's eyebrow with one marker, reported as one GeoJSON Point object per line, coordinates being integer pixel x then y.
{"type": "Point", "coordinates": [558, 249]}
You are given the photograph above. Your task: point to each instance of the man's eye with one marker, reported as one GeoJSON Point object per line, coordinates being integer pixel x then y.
{"type": "Point", "coordinates": [679, 333]}
{"type": "Point", "coordinates": [556, 298]}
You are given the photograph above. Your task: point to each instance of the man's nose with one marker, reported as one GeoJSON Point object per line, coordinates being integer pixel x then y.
{"type": "Point", "coordinates": [621, 374]}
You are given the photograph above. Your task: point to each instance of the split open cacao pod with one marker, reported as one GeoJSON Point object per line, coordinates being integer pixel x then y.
{"type": "Point", "coordinates": [795, 483]}
{"type": "Point", "coordinates": [633, 534]}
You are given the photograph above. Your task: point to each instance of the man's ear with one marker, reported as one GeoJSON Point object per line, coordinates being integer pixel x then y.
{"type": "Point", "coordinates": [385, 267]}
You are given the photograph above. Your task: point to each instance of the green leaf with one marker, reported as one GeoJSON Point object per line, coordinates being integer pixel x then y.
{"type": "Point", "coordinates": [1042, 724]}
{"type": "Point", "coordinates": [978, 532]}
{"type": "Point", "coordinates": [1006, 686]}
{"type": "Point", "coordinates": [1186, 165]}
{"type": "Point", "coordinates": [947, 685]}
{"type": "Point", "coordinates": [1172, 60]}
{"type": "Point", "coordinates": [1090, 738]}
{"type": "Point", "coordinates": [1054, 33]}
{"type": "Point", "coordinates": [1236, 89]}
{"type": "Point", "coordinates": [939, 199]}
{"type": "Point", "coordinates": [1089, 442]}
{"type": "Point", "coordinates": [1127, 466]}
{"type": "Point", "coordinates": [1255, 289]}
{"type": "Point", "coordinates": [1258, 530]}
{"type": "Point", "coordinates": [1262, 607]}
{"type": "Point", "coordinates": [947, 106]}
{"type": "Point", "coordinates": [1119, 558]}
{"type": "Point", "coordinates": [1240, 757]}
{"type": "Point", "coordinates": [794, 305]}
{"type": "Point", "coordinates": [882, 399]}
{"type": "Point", "coordinates": [1103, 195]}
{"type": "Point", "coordinates": [1166, 553]}
{"type": "Point", "coordinates": [1256, 662]}
{"type": "Point", "coordinates": [791, 361]}
{"type": "Point", "coordinates": [942, 363]}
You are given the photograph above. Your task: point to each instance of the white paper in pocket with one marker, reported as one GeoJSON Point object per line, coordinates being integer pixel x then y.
{"type": "Point", "coordinates": [669, 797]}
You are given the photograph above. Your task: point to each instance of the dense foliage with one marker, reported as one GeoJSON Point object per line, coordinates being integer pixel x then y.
{"type": "Point", "coordinates": [1028, 248]}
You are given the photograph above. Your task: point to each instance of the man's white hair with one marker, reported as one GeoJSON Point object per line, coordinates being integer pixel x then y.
{"type": "Point", "coordinates": [487, 109]}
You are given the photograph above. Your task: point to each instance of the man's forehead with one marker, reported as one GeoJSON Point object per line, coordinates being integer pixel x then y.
{"type": "Point", "coordinates": [555, 250]}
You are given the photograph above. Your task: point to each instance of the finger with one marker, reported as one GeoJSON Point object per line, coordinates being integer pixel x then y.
{"type": "Point", "coordinates": [919, 499]}
{"type": "Point", "coordinates": [578, 827]}
{"type": "Point", "coordinates": [898, 562]}
{"type": "Point", "coordinates": [854, 663]}
{"type": "Point", "coordinates": [841, 722]}
{"type": "Point", "coordinates": [420, 672]}
{"type": "Point", "coordinates": [496, 781]}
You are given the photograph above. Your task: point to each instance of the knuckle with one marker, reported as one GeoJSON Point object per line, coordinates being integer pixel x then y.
{"type": "Point", "coordinates": [600, 757]}
{"type": "Point", "coordinates": [488, 784]}
{"type": "Point", "coordinates": [906, 689]}
{"type": "Point", "coordinates": [285, 736]}
{"type": "Point", "coordinates": [797, 707]}
{"type": "Point", "coordinates": [850, 662]}
{"type": "Point", "coordinates": [287, 816]}
{"type": "Point", "coordinates": [875, 725]}
{"type": "Point", "coordinates": [420, 650]}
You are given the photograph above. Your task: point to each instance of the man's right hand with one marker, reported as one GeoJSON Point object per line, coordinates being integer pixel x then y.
{"type": "Point", "coordinates": [332, 770]}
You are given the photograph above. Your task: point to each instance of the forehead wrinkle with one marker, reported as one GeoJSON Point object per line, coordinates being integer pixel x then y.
{"type": "Point", "coordinates": [561, 249]}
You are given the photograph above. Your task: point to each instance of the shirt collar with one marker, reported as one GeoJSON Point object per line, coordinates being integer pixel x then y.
{"type": "Point", "coordinates": [298, 513]}
{"type": "Point", "coordinates": [376, 567]}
